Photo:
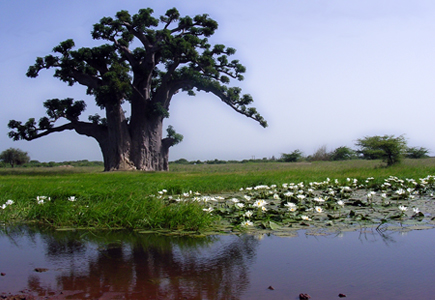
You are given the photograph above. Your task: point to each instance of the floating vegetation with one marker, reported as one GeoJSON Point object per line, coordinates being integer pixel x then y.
{"type": "Point", "coordinates": [396, 203]}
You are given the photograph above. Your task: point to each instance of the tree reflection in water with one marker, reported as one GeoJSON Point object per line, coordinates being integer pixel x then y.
{"type": "Point", "coordinates": [144, 266]}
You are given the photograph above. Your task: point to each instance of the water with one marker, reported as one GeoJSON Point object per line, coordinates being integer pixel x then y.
{"type": "Point", "coordinates": [364, 264]}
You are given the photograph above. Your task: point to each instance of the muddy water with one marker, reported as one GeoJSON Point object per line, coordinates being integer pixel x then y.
{"type": "Point", "coordinates": [364, 264]}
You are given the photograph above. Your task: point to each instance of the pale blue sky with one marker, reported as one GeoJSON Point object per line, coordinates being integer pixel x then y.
{"type": "Point", "coordinates": [321, 73]}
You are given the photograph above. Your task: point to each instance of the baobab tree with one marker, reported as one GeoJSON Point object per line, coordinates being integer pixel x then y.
{"type": "Point", "coordinates": [173, 56]}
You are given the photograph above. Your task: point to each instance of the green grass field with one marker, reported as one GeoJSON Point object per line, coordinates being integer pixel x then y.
{"type": "Point", "coordinates": [122, 199]}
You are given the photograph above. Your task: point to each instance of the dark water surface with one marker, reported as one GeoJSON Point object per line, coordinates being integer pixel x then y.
{"type": "Point", "coordinates": [365, 264]}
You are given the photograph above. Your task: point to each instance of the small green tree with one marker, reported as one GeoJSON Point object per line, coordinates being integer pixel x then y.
{"type": "Point", "coordinates": [389, 148]}
{"type": "Point", "coordinates": [343, 153]}
{"type": "Point", "coordinates": [295, 156]}
{"type": "Point", "coordinates": [414, 152]}
{"type": "Point", "coordinates": [14, 156]}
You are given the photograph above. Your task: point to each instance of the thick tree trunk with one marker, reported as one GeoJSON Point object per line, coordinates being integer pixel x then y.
{"type": "Point", "coordinates": [148, 151]}
{"type": "Point", "coordinates": [138, 146]}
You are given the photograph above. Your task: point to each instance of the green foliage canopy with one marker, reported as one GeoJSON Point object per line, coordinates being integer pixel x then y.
{"type": "Point", "coordinates": [389, 148]}
{"type": "Point", "coordinates": [14, 157]}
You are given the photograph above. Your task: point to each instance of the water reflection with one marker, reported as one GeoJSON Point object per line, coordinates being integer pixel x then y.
{"type": "Point", "coordinates": [136, 265]}
{"type": "Point", "coordinates": [371, 263]}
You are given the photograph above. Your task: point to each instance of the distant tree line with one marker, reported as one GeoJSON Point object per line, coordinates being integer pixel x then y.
{"type": "Point", "coordinates": [388, 148]}
{"type": "Point", "coordinates": [14, 157]}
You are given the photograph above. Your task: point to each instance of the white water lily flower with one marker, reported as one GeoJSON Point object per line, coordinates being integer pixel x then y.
{"type": "Point", "coordinates": [318, 209]}
{"type": "Point", "coordinates": [301, 197]}
{"type": "Point", "coordinates": [235, 200]}
{"type": "Point", "coordinates": [371, 194]}
{"type": "Point", "coordinates": [384, 195]}
{"type": "Point", "coordinates": [247, 197]}
{"type": "Point", "coordinates": [319, 199]}
{"type": "Point", "coordinates": [288, 194]}
{"type": "Point", "coordinates": [403, 208]}
{"type": "Point", "coordinates": [401, 192]}
{"type": "Point", "coordinates": [240, 205]}
{"type": "Point", "coordinates": [210, 209]}
{"type": "Point", "coordinates": [415, 210]}
{"type": "Point", "coordinates": [219, 198]}
{"type": "Point", "coordinates": [276, 196]}
{"type": "Point", "coordinates": [291, 206]}
{"type": "Point", "coordinates": [346, 189]}
{"type": "Point", "coordinates": [261, 187]}
{"type": "Point", "coordinates": [247, 223]}
{"type": "Point", "coordinates": [9, 202]}
{"type": "Point", "coordinates": [259, 203]}
{"type": "Point", "coordinates": [248, 214]}
{"type": "Point", "coordinates": [305, 218]}
{"type": "Point", "coordinates": [263, 208]}
{"type": "Point", "coordinates": [72, 198]}
{"type": "Point", "coordinates": [340, 202]}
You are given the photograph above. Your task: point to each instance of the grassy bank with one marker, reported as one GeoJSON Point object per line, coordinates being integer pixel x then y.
{"type": "Point", "coordinates": [122, 199]}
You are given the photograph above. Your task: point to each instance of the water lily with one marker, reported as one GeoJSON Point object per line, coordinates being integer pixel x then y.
{"type": "Point", "coordinates": [210, 209]}
{"type": "Point", "coordinates": [340, 202]}
{"type": "Point", "coordinates": [301, 197]}
{"type": "Point", "coordinates": [291, 206]}
{"type": "Point", "coordinates": [415, 210]}
{"type": "Point", "coordinates": [72, 198]}
{"type": "Point", "coordinates": [276, 197]}
{"type": "Point", "coordinates": [247, 223]}
{"type": "Point", "coordinates": [259, 203]}
{"type": "Point", "coordinates": [318, 209]}
{"type": "Point", "coordinates": [247, 197]}
{"type": "Point", "coordinates": [305, 218]}
{"type": "Point", "coordinates": [288, 194]}
{"type": "Point", "coordinates": [248, 214]}
{"type": "Point", "coordinates": [235, 200]}
{"type": "Point", "coordinates": [319, 199]}
{"type": "Point", "coordinates": [240, 205]}
{"type": "Point", "coordinates": [403, 208]}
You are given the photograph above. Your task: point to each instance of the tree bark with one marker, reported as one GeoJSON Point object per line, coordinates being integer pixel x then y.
{"type": "Point", "coordinates": [138, 146]}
